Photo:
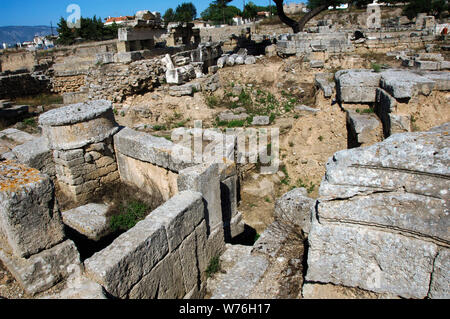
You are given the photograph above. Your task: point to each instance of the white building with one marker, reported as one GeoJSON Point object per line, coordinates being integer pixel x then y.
{"type": "Point", "coordinates": [293, 8]}
{"type": "Point", "coordinates": [341, 7]}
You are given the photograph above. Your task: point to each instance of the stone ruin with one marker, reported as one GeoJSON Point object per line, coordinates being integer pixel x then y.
{"type": "Point", "coordinates": [140, 33]}
{"type": "Point", "coordinates": [86, 150]}
{"type": "Point", "coordinates": [183, 33]}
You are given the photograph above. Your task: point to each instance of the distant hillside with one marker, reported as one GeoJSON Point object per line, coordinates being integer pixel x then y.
{"type": "Point", "coordinates": [16, 34]}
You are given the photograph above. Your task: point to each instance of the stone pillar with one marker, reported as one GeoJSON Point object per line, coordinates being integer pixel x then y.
{"type": "Point", "coordinates": [31, 230]}
{"type": "Point", "coordinates": [80, 136]}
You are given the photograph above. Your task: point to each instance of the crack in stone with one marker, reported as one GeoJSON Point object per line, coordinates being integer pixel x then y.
{"type": "Point", "coordinates": [431, 274]}
{"type": "Point", "coordinates": [404, 170]}
{"type": "Point", "coordinates": [392, 229]}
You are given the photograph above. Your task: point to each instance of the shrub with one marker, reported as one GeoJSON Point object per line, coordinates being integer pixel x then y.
{"type": "Point", "coordinates": [129, 216]}
{"type": "Point", "coordinates": [213, 267]}
{"type": "Point", "coordinates": [376, 67]}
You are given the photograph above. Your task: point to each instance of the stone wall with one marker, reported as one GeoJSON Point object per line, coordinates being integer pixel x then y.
{"type": "Point", "coordinates": [24, 84]}
{"type": "Point", "coordinates": [17, 61]}
{"type": "Point", "coordinates": [80, 136]}
{"type": "Point", "coordinates": [69, 82]}
{"type": "Point", "coordinates": [32, 240]}
{"type": "Point", "coordinates": [116, 81]}
{"type": "Point", "coordinates": [166, 254]}
{"type": "Point", "coordinates": [385, 209]}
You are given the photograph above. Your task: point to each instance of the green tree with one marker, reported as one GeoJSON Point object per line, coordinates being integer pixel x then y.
{"type": "Point", "coordinates": [66, 35]}
{"type": "Point", "coordinates": [91, 29]}
{"type": "Point", "coordinates": [315, 6]}
{"type": "Point", "coordinates": [169, 15]}
{"type": "Point", "coordinates": [431, 7]}
{"type": "Point", "coordinates": [218, 15]}
{"type": "Point", "coordinates": [185, 12]}
{"type": "Point", "coordinates": [250, 11]}
{"type": "Point", "coordinates": [222, 4]}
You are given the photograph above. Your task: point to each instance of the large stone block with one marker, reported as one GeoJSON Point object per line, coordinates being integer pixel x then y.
{"type": "Point", "coordinates": [180, 216]}
{"type": "Point", "coordinates": [384, 208]}
{"type": "Point", "coordinates": [36, 154]}
{"type": "Point", "coordinates": [294, 209]}
{"type": "Point", "coordinates": [242, 278]}
{"type": "Point", "coordinates": [89, 220]}
{"type": "Point", "coordinates": [204, 178]}
{"type": "Point", "coordinates": [403, 84]}
{"type": "Point", "coordinates": [363, 128]}
{"type": "Point", "coordinates": [129, 258]}
{"type": "Point", "coordinates": [29, 217]}
{"type": "Point", "coordinates": [325, 82]}
{"type": "Point", "coordinates": [440, 287]}
{"type": "Point", "coordinates": [357, 86]}
{"type": "Point", "coordinates": [165, 281]}
{"type": "Point", "coordinates": [417, 162]}
{"type": "Point", "coordinates": [148, 148]}
{"type": "Point", "coordinates": [78, 125]}
{"type": "Point", "coordinates": [45, 269]}
{"type": "Point", "coordinates": [370, 259]}
{"type": "Point", "coordinates": [156, 181]}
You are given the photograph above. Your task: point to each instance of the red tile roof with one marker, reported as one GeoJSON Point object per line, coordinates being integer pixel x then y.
{"type": "Point", "coordinates": [125, 18]}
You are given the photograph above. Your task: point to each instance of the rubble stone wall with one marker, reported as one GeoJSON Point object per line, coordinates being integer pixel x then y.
{"type": "Point", "coordinates": [116, 81]}
{"type": "Point", "coordinates": [17, 61]}
{"type": "Point", "coordinates": [24, 84]}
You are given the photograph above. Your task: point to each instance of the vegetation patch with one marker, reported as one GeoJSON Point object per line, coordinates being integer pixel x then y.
{"type": "Point", "coordinates": [213, 267]}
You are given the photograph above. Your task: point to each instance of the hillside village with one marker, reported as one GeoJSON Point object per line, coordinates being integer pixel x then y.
{"type": "Point", "coordinates": [183, 160]}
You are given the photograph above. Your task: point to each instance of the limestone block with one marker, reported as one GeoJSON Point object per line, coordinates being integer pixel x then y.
{"type": "Point", "coordinates": [77, 125]}
{"type": "Point", "coordinates": [304, 108]}
{"type": "Point", "coordinates": [158, 182]}
{"type": "Point", "coordinates": [242, 278]}
{"type": "Point", "coordinates": [181, 90]}
{"type": "Point", "coordinates": [29, 218]}
{"type": "Point", "coordinates": [326, 83]}
{"type": "Point", "coordinates": [250, 60]}
{"type": "Point", "coordinates": [80, 288]}
{"type": "Point", "coordinates": [415, 161]}
{"type": "Point", "coordinates": [427, 65]}
{"type": "Point", "coordinates": [294, 209]}
{"type": "Point", "coordinates": [370, 259]}
{"type": "Point", "coordinates": [440, 288]}
{"type": "Point", "coordinates": [399, 123]}
{"type": "Point", "coordinates": [316, 64]}
{"type": "Point", "coordinates": [363, 128]}
{"type": "Point", "coordinates": [188, 259]}
{"type": "Point", "coordinates": [410, 213]}
{"type": "Point", "coordinates": [89, 220]}
{"type": "Point", "coordinates": [42, 271]}
{"type": "Point", "coordinates": [137, 251]}
{"type": "Point", "coordinates": [16, 136]}
{"type": "Point", "coordinates": [210, 244]}
{"type": "Point", "coordinates": [404, 84]}
{"type": "Point", "coordinates": [357, 86]}
{"type": "Point", "coordinates": [36, 154]}
{"type": "Point", "coordinates": [165, 281]}
{"type": "Point", "coordinates": [261, 120]}
{"type": "Point", "coordinates": [441, 79]}
{"type": "Point", "coordinates": [272, 239]}
{"type": "Point", "coordinates": [180, 216]}
{"type": "Point", "coordinates": [204, 178]}
{"type": "Point", "coordinates": [150, 149]}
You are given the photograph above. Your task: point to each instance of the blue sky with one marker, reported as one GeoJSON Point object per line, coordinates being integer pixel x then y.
{"type": "Point", "coordinates": [41, 12]}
